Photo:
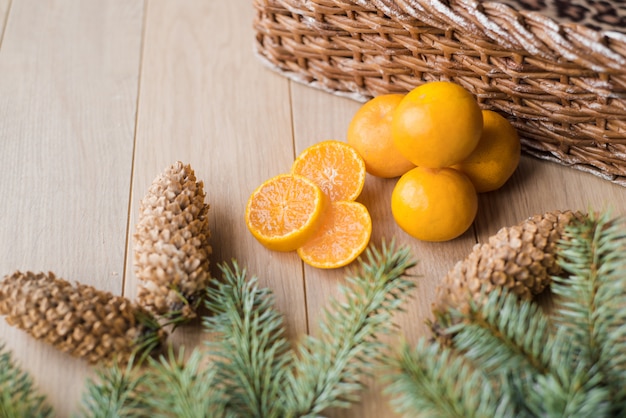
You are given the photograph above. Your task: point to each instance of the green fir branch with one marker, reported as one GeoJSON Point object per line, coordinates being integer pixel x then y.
{"type": "Point", "coordinates": [436, 381]}
{"type": "Point", "coordinates": [570, 363]}
{"type": "Point", "coordinates": [592, 300]}
{"type": "Point", "coordinates": [177, 388]}
{"type": "Point", "coordinates": [328, 371]}
{"type": "Point", "coordinates": [169, 387]}
{"type": "Point", "coordinates": [251, 354]}
{"type": "Point", "coordinates": [18, 396]}
{"type": "Point", "coordinates": [504, 334]}
{"type": "Point", "coordinates": [249, 369]}
{"type": "Point", "coordinates": [114, 393]}
{"type": "Point", "coordinates": [571, 389]}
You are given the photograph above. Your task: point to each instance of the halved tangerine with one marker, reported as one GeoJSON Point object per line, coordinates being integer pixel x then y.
{"type": "Point", "coordinates": [335, 166]}
{"type": "Point", "coordinates": [341, 238]}
{"type": "Point", "coordinates": [285, 211]}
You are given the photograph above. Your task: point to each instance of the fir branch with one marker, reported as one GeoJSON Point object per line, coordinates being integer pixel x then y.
{"type": "Point", "coordinates": [572, 389]}
{"type": "Point", "coordinates": [251, 353]}
{"type": "Point", "coordinates": [18, 396]}
{"type": "Point", "coordinates": [509, 339]}
{"type": "Point", "coordinates": [114, 393]}
{"type": "Point", "coordinates": [327, 372]}
{"type": "Point", "coordinates": [177, 388]}
{"type": "Point", "coordinates": [590, 307]}
{"type": "Point", "coordinates": [254, 372]}
{"type": "Point", "coordinates": [575, 366]}
{"type": "Point", "coordinates": [504, 334]}
{"type": "Point", "coordinates": [435, 381]}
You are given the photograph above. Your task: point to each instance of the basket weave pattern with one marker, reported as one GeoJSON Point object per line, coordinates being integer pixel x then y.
{"type": "Point", "coordinates": [563, 86]}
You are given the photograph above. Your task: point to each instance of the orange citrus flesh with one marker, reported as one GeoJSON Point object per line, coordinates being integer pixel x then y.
{"type": "Point", "coordinates": [285, 211]}
{"type": "Point", "coordinates": [336, 167]}
{"type": "Point", "coordinates": [342, 237]}
{"type": "Point", "coordinates": [437, 124]}
{"type": "Point", "coordinates": [370, 133]}
{"type": "Point", "coordinates": [497, 155]}
{"type": "Point", "coordinates": [434, 204]}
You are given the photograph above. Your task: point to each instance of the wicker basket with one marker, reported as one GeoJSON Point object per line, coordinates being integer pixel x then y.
{"type": "Point", "coordinates": [562, 85]}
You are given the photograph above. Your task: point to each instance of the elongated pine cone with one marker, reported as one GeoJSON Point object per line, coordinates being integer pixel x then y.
{"type": "Point", "coordinates": [80, 320]}
{"type": "Point", "coordinates": [521, 258]}
{"type": "Point", "coordinates": [171, 250]}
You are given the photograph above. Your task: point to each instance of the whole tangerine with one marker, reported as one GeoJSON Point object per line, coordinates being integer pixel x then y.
{"type": "Point", "coordinates": [434, 204]}
{"type": "Point", "coordinates": [370, 133]}
{"type": "Point", "coordinates": [437, 124]}
{"type": "Point", "coordinates": [497, 155]}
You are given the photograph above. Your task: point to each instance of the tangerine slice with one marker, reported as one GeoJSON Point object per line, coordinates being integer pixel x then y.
{"type": "Point", "coordinates": [341, 238]}
{"type": "Point", "coordinates": [335, 166]}
{"type": "Point", "coordinates": [285, 211]}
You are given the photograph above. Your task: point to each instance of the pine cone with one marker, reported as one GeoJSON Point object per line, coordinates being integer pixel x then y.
{"type": "Point", "coordinates": [171, 252]}
{"type": "Point", "coordinates": [521, 258]}
{"type": "Point", "coordinates": [80, 320]}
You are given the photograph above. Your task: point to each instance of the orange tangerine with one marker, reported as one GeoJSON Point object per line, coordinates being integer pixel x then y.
{"type": "Point", "coordinates": [342, 237]}
{"type": "Point", "coordinates": [285, 211]}
{"type": "Point", "coordinates": [336, 167]}
{"type": "Point", "coordinates": [497, 155]}
{"type": "Point", "coordinates": [434, 204]}
{"type": "Point", "coordinates": [437, 124]}
{"type": "Point", "coordinates": [370, 133]}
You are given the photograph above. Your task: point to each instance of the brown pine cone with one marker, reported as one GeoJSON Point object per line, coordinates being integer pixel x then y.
{"type": "Point", "coordinates": [521, 258]}
{"type": "Point", "coordinates": [80, 320]}
{"type": "Point", "coordinates": [171, 251]}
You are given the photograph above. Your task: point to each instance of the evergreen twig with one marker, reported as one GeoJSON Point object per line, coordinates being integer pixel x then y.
{"type": "Point", "coordinates": [328, 370]}
{"type": "Point", "coordinates": [436, 381]}
{"type": "Point", "coordinates": [113, 393]}
{"type": "Point", "coordinates": [591, 301]}
{"type": "Point", "coordinates": [177, 388]}
{"type": "Point", "coordinates": [571, 362]}
{"type": "Point", "coordinates": [251, 369]}
{"type": "Point", "coordinates": [251, 353]}
{"type": "Point", "coordinates": [18, 396]}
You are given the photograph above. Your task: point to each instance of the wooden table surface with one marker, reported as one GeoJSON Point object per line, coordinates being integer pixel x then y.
{"type": "Point", "coordinates": [98, 96]}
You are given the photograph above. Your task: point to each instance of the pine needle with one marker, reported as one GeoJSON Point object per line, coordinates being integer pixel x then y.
{"type": "Point", "coordinates": [18, 396]}
{"type": "Point", "coordinates": [328, 370]}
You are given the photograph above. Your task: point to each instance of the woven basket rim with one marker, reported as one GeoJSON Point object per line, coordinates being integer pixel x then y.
{"type": "Point", "coordinates": [525, 31]}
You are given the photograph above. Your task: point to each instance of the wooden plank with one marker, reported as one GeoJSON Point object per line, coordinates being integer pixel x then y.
{"type": "Point", "coordinates": [319, 116]}
{"type": "Point", "coordinates": [4, 14]}
{"type": "Point", "coordinates": [205, 100]}
{"type": "Point", "coordinates": [68, 84]}
{"type": "Point", "coordinates": [540, 186]}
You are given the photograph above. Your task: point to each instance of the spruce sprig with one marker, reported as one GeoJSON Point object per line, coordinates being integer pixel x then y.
{"type": "Point", "coordinates": [264, 377]}
{"type": "Point", "coordinates": [252, 355]}
{"type": "Point", "coordinates": [115, 392]}
{"type": "Point", "coordinates": [592, 297]}
{"type": "Point", "coordinates": [328, 370]}
{"type": "Point", "coordinates": [570, 362]}
{"type": "Point", "coordinates": [18, 396]}
{"type": "Point", "coordinates": [503, 335]}
{"type": "Point", "coordinates": [175, 387]}
{"type": "Point", "coordinates": [249, 368]}
{"type": "Point", "coordinates": [438, 382]}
